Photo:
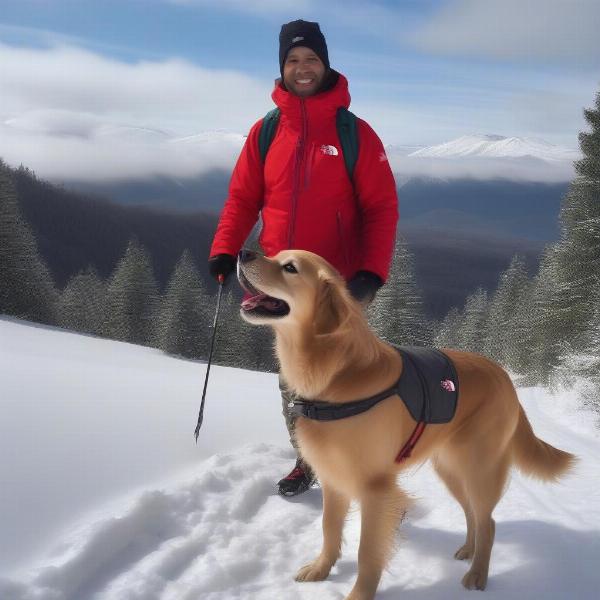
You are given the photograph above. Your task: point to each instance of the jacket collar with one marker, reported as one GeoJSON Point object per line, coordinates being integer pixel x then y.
{"type": "Point", "coordinates": [320, 107]}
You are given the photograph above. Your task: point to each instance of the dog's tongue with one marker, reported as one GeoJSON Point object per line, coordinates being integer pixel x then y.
{"type": "Point", "coordinates": [261, 300]}
{"type": "Point", "coordinates": [253, 301]}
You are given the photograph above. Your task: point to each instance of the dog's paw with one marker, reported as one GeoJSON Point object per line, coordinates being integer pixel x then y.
{"type": "Point", "coordinates": [464, 553]}
{"type": "Point", "coordinates": [314, 571]}
{"type": "Point", "coordinates": [475, 580]}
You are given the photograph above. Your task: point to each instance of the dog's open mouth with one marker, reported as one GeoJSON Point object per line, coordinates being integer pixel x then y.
{"type": "Point", "coordinates": [259, 303]}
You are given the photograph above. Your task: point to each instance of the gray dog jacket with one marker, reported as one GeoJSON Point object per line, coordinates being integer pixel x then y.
{"type": "Point", "coordinates": [428, 386]}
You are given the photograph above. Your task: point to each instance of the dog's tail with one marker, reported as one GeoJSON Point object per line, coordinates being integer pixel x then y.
{"type": "Point", "coordinates": [536, 458]}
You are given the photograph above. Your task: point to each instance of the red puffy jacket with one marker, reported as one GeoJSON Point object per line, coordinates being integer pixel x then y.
{"type": "Point", "coordinates": [304, 193]}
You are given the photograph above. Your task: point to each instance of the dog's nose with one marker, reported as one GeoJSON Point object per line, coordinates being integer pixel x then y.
{"type": "Point", "coordinates": [246, 255]}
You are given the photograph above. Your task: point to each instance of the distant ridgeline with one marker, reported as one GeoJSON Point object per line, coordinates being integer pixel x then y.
{"type": "Point", "coordinates": [454, 254]}
{"type": "Point", "coordinates": [139, 275]}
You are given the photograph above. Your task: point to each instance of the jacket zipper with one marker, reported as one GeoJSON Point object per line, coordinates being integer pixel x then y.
{"type": "Point", "coordinates": [300, 147]}
{"type": "Point", "coordinates": [310, 158]}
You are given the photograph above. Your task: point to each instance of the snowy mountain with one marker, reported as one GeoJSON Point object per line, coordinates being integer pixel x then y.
{"type": "Point", "coordinates": [485, 158]}
{"type": "Point", "coordinates": [105, 496]}
{"type": "Point", "coordinates": [216, 137]}
{"type": "Point", "coordinates": [128, 134]}
{"type": "Point", "coordinates": [497, 146]}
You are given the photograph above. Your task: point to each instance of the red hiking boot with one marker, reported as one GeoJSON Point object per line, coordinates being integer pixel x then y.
{"type": "Point", "coordinates": [300, 479]}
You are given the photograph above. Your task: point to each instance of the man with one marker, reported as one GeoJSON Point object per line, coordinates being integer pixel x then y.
{"type": "Point", "coordinates": [303, 191]}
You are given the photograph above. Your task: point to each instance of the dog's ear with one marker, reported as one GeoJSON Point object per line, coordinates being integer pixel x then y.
{"type": "Point", "coordinates": [331, 308]}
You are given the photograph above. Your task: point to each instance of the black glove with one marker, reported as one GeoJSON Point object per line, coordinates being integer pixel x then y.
{"type": "Point", "coordinates": [364, 285]}
{"type": "Point", "coordinates": [221, 264]}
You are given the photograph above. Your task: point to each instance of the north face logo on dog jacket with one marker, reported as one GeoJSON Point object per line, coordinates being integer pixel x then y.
{"type": "Point", "coordinates": [429, 384]}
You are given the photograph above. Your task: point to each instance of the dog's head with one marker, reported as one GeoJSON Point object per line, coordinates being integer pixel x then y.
{"type": "Point", "coordinates": [293, 287]}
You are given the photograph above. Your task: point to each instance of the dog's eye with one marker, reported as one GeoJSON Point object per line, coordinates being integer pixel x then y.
{"type": "Point", "coordinates": [290, 268]}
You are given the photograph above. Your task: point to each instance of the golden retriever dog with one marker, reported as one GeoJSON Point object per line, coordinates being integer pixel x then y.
{"type": "Point", "coordinates": [328, 352]}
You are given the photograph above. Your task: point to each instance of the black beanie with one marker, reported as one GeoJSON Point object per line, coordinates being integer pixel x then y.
{"type": "Point", "coordinates": [302, 33]}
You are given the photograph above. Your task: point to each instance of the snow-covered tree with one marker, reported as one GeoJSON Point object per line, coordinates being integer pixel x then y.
{"type": "Point", "coordinates": [547, 328]}
{"type": "Point", "coordinates": [81, 304]}
{"type": "Point", "coordinates": [590, 366]}
{"type": "Point", "coordinates": [471, 334]}
{"type": "Point", "coordinates": [132, 297]}
{"type": "Point", "coordinates": [520, 347]}
{"type": "Point", "coordinates": [446, 334]}
{"type": "Point", "coordinates": [505, 333]}
{"type": "Point", "coordinates": [229, 342]}
{"type": "Point", "coordinates": [239, 344]}
{"type": "Point", "coordinates": [183, 324]}
{"type": "Point", "coordinates": [581, 369]}
{"type": "Point", "coordinates": [578, 252]}
{"type": "Point", "coordinates": [397, 313]}
{"type": "Point", "coordinates": [26, 287]}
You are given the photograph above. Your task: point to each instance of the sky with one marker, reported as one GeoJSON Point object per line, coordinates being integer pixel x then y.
{"type": "Point", "coordinates": [77, 75]}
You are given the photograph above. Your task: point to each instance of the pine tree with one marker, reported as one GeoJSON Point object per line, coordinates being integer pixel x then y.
{"type": "Point", "coordinates": [26, 287]}
{"type": "Point", "coordinates": [262, 349]}
{"type": "Point", "coordinates": [581, 370]}
{"type": "Point", "coordinates": [591, 364]}
{"type": "Point", "coordinates": [229, 343]}
{"type": "Point", "coordinates": [472, 330]}
{"type": "Point", "coordinates": [132, 297]}
{"type": "Point", "coordinates": [239, 344]}
{"type": "Point", "coordinates": [82, 303]}
{"type": "Point", "coordinates": [183, 325]}
{"type": "Point", "coordinates": [546, 342]}
{"type": "Point", "coordinates": [521, 347]}
{"type": "Point", "coordinates": [504, 335]}
{"type": "Point", "coordinates": [578, 252]}
{"type": "Point", "coordinates": [447, 332]}
{"type": "Point", "coordinates": [397, 313]}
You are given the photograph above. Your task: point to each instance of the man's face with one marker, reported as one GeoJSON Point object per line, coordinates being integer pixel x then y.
{"type": "Point", "coordinates": [303, 71]}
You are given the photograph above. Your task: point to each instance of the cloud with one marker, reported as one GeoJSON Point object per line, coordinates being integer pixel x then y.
{"type": "Point", "coordinates": [171, 94]}
{"type": "Point", "coordinates": [540, 30]}
{"type": "Point", "coordinates": [113, 153]}
{"type": "Point", "coordinates": [69, 113]}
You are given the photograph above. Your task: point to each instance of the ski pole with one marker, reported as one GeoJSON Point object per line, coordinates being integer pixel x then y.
{"type": "Point", "coordinates": [212, 345]}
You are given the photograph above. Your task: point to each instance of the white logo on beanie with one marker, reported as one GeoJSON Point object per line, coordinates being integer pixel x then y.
{"type": "Point", "coordinates": [298, 38]}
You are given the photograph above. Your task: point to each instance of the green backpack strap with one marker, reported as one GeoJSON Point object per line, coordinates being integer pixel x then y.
{"type": "Point", "coordinates": [267, 132]}
{"type": "Point", "coordinates": [346, 129]}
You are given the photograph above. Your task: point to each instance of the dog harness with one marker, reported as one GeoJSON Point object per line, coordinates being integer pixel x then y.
{"type": "Point", "coordinates": [428, 386]}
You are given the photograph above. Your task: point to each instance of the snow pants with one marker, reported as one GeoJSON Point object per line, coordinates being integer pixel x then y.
{"type": "Point", "coordinates": [286, 397]}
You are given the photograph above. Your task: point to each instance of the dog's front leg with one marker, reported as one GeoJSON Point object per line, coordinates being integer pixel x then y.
{"type": "Point", "coordinates": [382, 508]}
{"type": "Point", "coordinates": [335, 508]}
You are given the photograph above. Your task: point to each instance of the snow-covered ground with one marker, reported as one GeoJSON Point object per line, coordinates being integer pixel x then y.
{"type": "Point", "coordinates": [105, 496]}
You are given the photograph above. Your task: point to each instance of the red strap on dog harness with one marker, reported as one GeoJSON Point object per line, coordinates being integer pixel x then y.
{"type": "Point", "coordinates": [411, 443]}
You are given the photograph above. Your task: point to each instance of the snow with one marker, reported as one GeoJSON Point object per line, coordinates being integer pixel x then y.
{"type": "Point", "coordinates": [213, 139]}
{"type": "Point", "coordinates": [105, 496]}
{"type": "Point", "coordinates": [497, 146]}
